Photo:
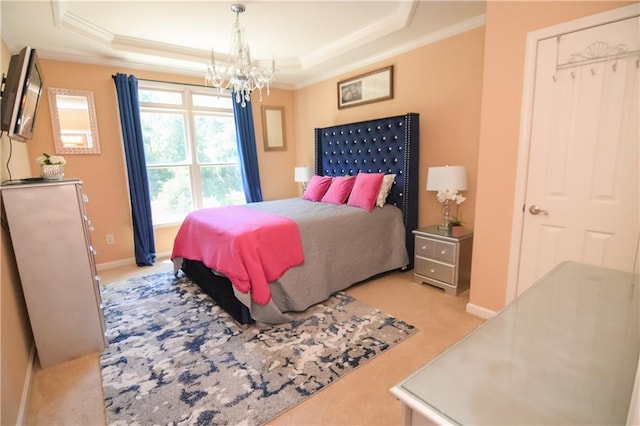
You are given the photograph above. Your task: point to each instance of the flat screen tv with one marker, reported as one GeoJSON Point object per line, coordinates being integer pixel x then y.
{"type": "Point", "coordinates": [21, 95]}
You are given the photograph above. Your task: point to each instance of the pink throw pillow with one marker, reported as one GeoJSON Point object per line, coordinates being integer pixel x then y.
{"type": "Point", "coordinates": [339, 190]}
{"type": "Point", "coordinates": [316, 188]}
{"type": "Point", "coordinates": [365, 190]}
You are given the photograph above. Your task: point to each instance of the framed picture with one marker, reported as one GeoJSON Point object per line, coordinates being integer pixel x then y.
{"type": "Point", "coordinates": [366, 88]}
{"type": "Point", "coordinates": [273, 128]}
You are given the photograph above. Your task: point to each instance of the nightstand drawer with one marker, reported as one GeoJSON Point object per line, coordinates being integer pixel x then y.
{"type": "Point", "coordinates": [425, 247]}
{"type": "Point", "coordinates": [445, 251]}
{"type": "Point", "coordinates": [435, 270]}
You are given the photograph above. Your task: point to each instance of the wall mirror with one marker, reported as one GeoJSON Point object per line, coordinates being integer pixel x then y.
{"type": "Point", "coordinates": [273, 128]}
{"type": "Point", "coordinates": [73, 118]}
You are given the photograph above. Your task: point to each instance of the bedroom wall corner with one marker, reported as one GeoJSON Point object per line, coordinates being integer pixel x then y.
{"type": "Point", "coordinates": [16, 339]}
{"type": "Point", "coordinates": [276, 167]}
{"type": "Point", "coordinates": [14, 158]}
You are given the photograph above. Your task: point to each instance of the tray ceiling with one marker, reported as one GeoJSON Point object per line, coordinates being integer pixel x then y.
{"type": "Point", "coordinates": [309, 40]}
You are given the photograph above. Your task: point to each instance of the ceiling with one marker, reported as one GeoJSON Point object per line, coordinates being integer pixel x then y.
{"type": "Point", "coordinates": [309, 40]}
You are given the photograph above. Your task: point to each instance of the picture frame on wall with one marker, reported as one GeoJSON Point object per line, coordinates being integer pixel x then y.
{"type": "Point", "coordinates": [374, 86]}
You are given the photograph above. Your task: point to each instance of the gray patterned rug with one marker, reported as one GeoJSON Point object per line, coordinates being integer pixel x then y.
{"type": "Point", "coordinates": [174, 357]}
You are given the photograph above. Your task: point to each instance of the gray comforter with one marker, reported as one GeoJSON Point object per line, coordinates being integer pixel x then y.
{"type": "Point", "coordinates": [342, 245]}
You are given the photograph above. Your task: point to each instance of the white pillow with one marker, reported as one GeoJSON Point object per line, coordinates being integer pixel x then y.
{"type": "Point", "coordinates": [387, 182]}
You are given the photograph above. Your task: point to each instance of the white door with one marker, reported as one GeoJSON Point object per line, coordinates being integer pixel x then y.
{"type": "Point", "coordinates": [581, 200]}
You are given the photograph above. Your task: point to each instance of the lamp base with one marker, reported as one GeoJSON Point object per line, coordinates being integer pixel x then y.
{"type": "Point", "coordinates": [445, 217]}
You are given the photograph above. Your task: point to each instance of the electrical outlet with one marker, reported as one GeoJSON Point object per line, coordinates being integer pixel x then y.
{"type": "Point", "coordinates": [110, 239]}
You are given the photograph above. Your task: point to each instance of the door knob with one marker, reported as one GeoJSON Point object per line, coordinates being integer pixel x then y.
{"type": "Point", "coordinates": [537, 210]}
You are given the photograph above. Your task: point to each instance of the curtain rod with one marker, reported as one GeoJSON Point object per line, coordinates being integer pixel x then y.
{"type": "Point", "coordinates": [169, 82]}
{"type": "Point", "coordinates": [173, 82]}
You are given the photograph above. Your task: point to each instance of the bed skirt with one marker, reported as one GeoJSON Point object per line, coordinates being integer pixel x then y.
{"type": "Point", "coordinates": [219, 288]}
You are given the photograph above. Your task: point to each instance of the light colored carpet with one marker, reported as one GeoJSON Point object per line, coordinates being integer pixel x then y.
{"type": "Point", "coordinates": [175, 358]}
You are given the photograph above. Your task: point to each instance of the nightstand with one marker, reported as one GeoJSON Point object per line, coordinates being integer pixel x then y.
{"type": "Point", "coordinates": [443, 258]}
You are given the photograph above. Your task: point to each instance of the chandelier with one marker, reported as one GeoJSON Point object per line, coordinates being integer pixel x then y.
{"type": "Point", "coordinates": [241, 75]}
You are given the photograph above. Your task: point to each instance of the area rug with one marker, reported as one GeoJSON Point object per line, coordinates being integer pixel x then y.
{"type": "Point", "coordinates": [175, 357]}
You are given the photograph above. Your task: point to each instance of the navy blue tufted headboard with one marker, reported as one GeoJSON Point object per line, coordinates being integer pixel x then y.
{"type": "Point", "coordinates": [385, 145]}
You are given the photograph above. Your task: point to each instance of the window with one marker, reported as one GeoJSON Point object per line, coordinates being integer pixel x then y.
{"type": "Point", "coordinates": [190, 149]}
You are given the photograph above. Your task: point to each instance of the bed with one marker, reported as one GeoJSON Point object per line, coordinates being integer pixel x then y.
{"type": "Point", "coordinates": [342, 245]}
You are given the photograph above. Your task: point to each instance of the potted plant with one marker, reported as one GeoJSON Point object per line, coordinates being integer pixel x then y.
{"type": "Point", "coordinates": [51, 166]}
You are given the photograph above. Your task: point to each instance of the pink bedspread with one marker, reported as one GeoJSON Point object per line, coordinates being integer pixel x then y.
{"type": "Point", "coordinates": [250, 247]}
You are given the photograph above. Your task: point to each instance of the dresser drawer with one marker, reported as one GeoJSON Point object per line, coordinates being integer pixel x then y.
{"type": "Point", "coordinates": [445, 251]}
{"type": "Point", "coordinates": [425, 247]}
{"type": "Point", "coordinates": [435, 270]}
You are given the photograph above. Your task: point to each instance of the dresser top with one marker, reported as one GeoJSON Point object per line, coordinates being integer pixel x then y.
{"type": "Point", "coordinates": [21, 183]}
{"type": "Point", "coordinates": [455, 233]}
{"type": "Point", "coordinates": [564, 352]}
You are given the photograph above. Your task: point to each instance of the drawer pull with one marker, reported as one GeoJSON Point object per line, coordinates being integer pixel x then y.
{"type": "Point", "coordinates": [432, 270]}
{"type": "Point", "coordinates": [443, 252]}
{"type": "Point", "coordinates": [424, 247]}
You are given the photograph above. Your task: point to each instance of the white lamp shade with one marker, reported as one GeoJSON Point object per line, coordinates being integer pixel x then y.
{"type": "Point", "coordinates": [453, 178]}
{"type": "Point", "coordinates": [303, 174]}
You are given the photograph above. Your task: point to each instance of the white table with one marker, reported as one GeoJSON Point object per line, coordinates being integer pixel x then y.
{"type": "Point", "coordinates": [564, 352]}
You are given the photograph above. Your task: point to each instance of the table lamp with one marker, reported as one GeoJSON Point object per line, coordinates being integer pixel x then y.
{"type": "Point", "coordinates": [447, 180]}
{"type": "Point", "coordinates": [303, 175]}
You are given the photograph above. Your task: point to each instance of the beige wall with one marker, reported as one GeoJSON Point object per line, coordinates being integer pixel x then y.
{"type": "Point", "coordinates": [276, 167]}
{"type": "Point", "coordinates": [443, 83]}
{"type": "Point", "coordinates": [507, 26]}
{"type": "Point", "coordinates": [15, 336]}
{"type": "Point", "coordinates": [19, 165]}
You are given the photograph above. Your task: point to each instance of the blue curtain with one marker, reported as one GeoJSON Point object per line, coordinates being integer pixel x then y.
{"type": "Point", "coordinates": [246, 139]}
{"type": "Point", "coordinates": [143, 239]}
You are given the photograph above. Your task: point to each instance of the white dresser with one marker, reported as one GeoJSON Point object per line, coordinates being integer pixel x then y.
{"type": "Point", "coordinates": [565, 352]}
{"type": "Point", "coordinates": [50, 233]}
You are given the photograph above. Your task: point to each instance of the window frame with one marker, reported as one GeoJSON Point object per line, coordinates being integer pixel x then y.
{"type": "Point", "coordinates": [189, 112]}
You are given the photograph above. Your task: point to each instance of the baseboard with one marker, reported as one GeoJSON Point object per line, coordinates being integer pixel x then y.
{"type": "Point", "coordinates": [26, 388]}
{"type": "Point", "coordinates": [479, 311]}
{"type": "Point", "coordinates": [116, 264]}
{"type": "Point", "coordinates": [127, 262]}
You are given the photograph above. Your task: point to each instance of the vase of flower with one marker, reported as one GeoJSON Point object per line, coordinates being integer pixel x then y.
{"type": "Point", "coordinates": [51, 166]}
{"type": "Point", "coordinates": [444, 197]}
